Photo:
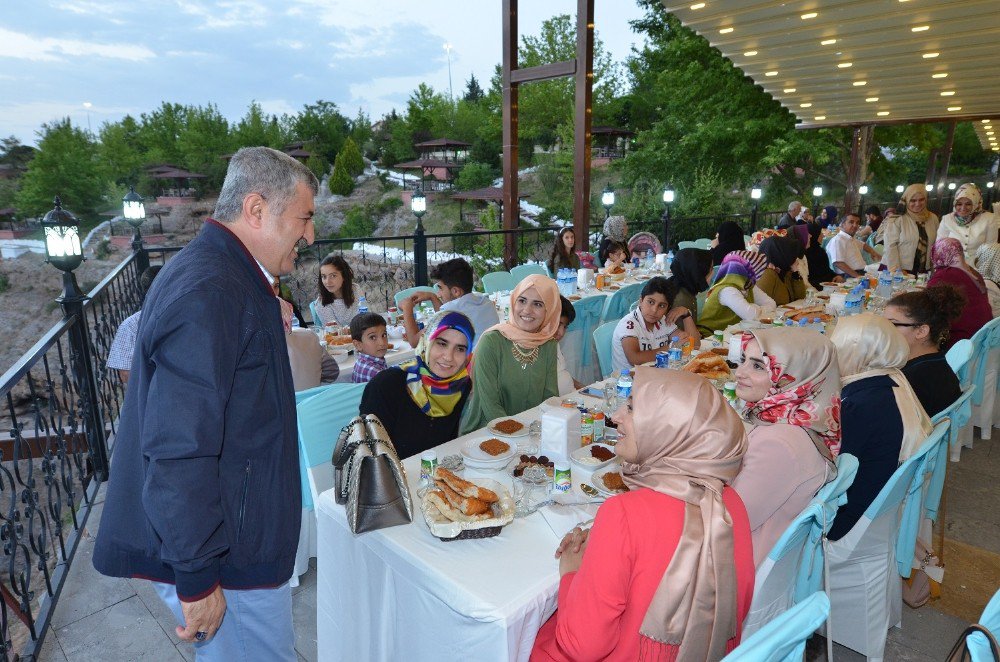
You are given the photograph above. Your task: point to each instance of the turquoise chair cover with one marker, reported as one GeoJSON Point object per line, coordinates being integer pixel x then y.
{"type": "Point", "coordinates": [958, 358]}
{"type": "Point", "coordinates": [315, 314]}
{"type": "Point", "coordinates": [957, 416]}
{"type": "Point", "coordinates": [907, 485]}
{"type": "Point", "coordinates": [984, 341]}
{"type": "Point", "coordinates": [320, 419]}
{"type": "Point", "coordinates": [830, 498]}
{"type": "Point", "coordinates": [687, 244]}
{"type": "Point", "coordinates": [784, 638]}
{"type": "Point", "coordinates": [399, 296]}
{"type": "Point", "coordinates": [621, 302]}
{"type": "Point", "coordinates": [302, 396]}
{"type": "Point", "coordinates": [588, 317]}
{"type": "Point", "coordinates": [703, 243]}
{"type": "Point", "coordinates": [979, 648]}
{"type": "Point", "coordinates": [602, 342]}
{"type": "Point", "coordinates": [498, 281]}
{"type": "Point", "coordinates": [521, 271]}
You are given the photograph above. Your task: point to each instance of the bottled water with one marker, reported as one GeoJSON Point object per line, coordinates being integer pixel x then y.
{"type": "Point", "coordinates": [362, 304]}
{"type": "Point", "coordinates": [817, 324]}
{"type": "Point", "coordinates": [675, 354]}
{"type": "Point", "coordinates": [804, 323]}
{"type": "Point", "coordinates": [884, 289]}
{"type": "Point", "coordinates": [853, 303]}
{"type": "Point", "coordinates": [897, 280]}
{"type": "Point", "coordinates": [650, 258]}
{"type": "Point", "coordinates": [624, 389]}
{"type": "Point", "coordinates": [670, 259]}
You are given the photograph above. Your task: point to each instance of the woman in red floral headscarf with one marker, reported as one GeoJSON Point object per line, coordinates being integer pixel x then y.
{"type": "Point", "coordinates": [790, 383]}
{"type": "Point", "coordinates": [950, 268]}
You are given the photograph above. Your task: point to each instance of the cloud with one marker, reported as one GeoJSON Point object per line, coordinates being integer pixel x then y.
{"type": "Point", "coordinates": [198, 54]}
{"type": "Point", "coordinates": [276, 107]}
{"type": "Point", "coordinates": [224, 14]}
{"type": "Point", "coordinates": [49, 49]}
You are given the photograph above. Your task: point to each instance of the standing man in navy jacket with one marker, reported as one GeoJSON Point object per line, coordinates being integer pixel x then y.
{"type": "Point", "coordinates": [204, 496]}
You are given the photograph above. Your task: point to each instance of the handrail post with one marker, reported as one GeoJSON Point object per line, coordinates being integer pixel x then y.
{"type": "Point", "coordinates": [420, 254]}
{"type": "Point", "coordinates": [667, 239]}
{"type": "Point", "coordinates": [85, 374]}
{"type": "Point", "coordinates": [141, 254]}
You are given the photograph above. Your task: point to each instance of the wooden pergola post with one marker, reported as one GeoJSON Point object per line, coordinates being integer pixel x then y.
{"type": "Point", "coordinates": [582, 70]}
{"type": "Point", "coordinates": [857, 171]}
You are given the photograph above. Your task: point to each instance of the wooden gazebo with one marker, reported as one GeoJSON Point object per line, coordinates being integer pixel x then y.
{"type": "Point", "coordinates": [609, 143]}
{"type": "Point", "coordinates": [439, 159]}
{"type": "Point", "coordinates": [182, 190]}
{"type": "Point", "coordinates": [484, 196]}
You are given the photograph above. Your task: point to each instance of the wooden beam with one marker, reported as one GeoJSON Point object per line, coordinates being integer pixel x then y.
{"type": "Point", "coordinates": [584, 79]}
{"type": "Point", "coordinates": [544, 72]}
{"type": "Point", "coordinates": [510, 208]}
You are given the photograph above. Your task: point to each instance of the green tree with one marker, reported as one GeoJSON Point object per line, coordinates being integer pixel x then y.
{"type": "Point", "coordinates": [474, 175]}
{"type": "Point", "coordinates": [66, 164]}
{"type": "Point", "coordinates": [350, 157]}
{"type": "Point", "coordinates": [341, 182]}
{"type": "Point", "coordinates": [159, 133]}
{"type": "Point", "coordinates": [13, 153]}
{"type": "Point", "coordinates": [358, 222]}
{"type": "Point", "coordinates": [121, 151]}
{"type": "Point", "coordinates": [258, 129]}
{"type": "Point", "coordinates": [202, 140]}
{"type": "Point", "coordinates": [361, 132]}
{"type": "Point", "coordinates": [473, 92]}
{"type": "Point", "coordinates": [323, 126]}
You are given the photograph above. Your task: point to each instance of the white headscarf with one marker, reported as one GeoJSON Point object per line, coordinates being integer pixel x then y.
{"type": "Point", "coordinates": [869, 346]}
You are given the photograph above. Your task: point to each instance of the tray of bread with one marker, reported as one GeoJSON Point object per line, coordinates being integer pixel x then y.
{"type": "Point", "coordinates": [709, 365]}
{"type": "Point", "coordinates": [809, 313]}
{"type": "Point", "coordinates": [458, 509]}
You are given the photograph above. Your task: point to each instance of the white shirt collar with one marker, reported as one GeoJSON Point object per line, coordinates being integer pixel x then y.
{"type": "Point", "coordinates": [267, 274]}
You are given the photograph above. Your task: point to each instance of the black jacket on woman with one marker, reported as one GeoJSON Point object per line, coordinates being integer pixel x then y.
{"type": "Point", "coordinates": [933, 381]}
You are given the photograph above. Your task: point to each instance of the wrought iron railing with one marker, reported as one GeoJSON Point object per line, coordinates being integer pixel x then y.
{"type": "Point", "coordinates": [61, 410]}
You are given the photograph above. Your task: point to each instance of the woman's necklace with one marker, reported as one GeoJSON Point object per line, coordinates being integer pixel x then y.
{"type": "Point", "coordinates": [523, 356]}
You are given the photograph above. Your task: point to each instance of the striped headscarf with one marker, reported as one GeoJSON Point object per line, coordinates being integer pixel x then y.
{"type": "Point", "coordinates": [748, 264]}
{"type": "Point", "coordinates": [434, 395]}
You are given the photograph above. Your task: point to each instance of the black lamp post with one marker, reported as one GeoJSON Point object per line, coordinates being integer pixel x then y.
{"type": "Point", "coordinates": [418, 205]}
{"type": "Point", "coordinates": [863, 191]}
{"type": "Point", "coordinates": [668, 197]}
{"type": "Point", "coordinates": [755, 193]}
{"type": "Point", "coordinates": [817, 196]}
{"type": "Point", "coordinates": [608, 200]}
{"type": "Point", "coordinates": [63, 249]}
{"type": "Point", "coordinates": [135, 214]}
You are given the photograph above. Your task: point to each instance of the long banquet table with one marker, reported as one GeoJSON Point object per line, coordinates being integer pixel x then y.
{"type": "Point", "coordinates": [400, 593]}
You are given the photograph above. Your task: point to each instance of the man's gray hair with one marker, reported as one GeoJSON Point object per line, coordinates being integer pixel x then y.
{"type": "Point", "coordinates": [792, 205]}
{"type": "Point", "coordinates": [263, 170]}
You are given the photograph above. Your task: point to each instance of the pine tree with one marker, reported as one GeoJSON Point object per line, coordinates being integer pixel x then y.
{"type": "Point", "coordinates": [350, 156]}
{"type": "Point", "coordinates": [341, 182]}
{"type": "Point", "coordinates": [473, 93]}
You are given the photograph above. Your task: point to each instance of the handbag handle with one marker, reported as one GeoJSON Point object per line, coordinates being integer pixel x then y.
{"type": "Point", "coordinates": [960, 651]}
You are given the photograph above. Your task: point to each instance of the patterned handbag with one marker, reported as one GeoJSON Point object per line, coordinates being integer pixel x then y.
{"type": "Point", "coordinates": [369, 478]}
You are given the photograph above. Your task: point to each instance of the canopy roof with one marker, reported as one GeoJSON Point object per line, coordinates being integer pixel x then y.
{"type": "Point", "coordinates": [428, 163]}
{"type": "Point", "coordinates": [610, 131]}
{"type": "Point", "coordinates": [840, 62]}
{"type": "Point", "coordinates": [442, 142]}
{"type": "Point", "coordinates": [489, 194]}
{"type": "Point", "coordinates": [175, 173]}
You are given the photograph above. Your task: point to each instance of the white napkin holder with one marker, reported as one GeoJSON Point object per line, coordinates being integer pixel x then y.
{"type": "Point", "coordinates": [735, 348]}
{"type": "Point", "coordinates": [661, 259]}
{"type": "Point", "coordinates": [560, 433]}
{"type": "Point", "coordinates": [584, 278]}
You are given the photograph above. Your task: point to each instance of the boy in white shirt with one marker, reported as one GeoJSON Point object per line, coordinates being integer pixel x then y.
{"type": "Point", "coordinates": [647, 329]}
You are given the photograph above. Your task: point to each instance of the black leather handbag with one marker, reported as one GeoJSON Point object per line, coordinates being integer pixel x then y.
{"type": "Point", "coordinates": [368, 477]}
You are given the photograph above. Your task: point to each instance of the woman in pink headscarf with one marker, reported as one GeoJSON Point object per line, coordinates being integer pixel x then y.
{"type": "Point", "coordinates": [948, 260]}
{"type": "Point", "coordinates": [667, 570]}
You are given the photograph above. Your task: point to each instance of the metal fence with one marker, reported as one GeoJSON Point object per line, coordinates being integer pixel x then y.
{"type": "Point", "coordinates": [61, 410]}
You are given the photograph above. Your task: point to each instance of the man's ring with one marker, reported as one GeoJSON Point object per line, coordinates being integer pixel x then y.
{"type": "Point", "coordinates": [200, 636]}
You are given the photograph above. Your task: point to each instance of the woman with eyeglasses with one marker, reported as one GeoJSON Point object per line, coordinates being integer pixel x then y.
{"type": "Point", "coordinates": [950, 268]}
{"type": "Point", "coordinates": [923, 318]}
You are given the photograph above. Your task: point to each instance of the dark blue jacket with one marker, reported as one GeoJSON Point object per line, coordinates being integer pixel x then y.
{"type": "Point", "coordinates": [204, 486]}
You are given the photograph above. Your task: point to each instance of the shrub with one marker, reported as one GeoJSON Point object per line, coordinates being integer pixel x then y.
{"type": "Point", "coordinates": [474, 175]}
{"type": "Point", "coordinates": [103, 249]}
{"type": "Point", "coordinates": [358, 222]}
{"type": "Point", "coordinates": [350, 157]}
{"type": "Point", "coordinates": [341, 182]}
{"type": "Point", "coordinates": [4, 283]}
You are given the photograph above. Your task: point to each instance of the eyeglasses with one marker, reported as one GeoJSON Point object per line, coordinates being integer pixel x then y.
{"type": "Point", "coordinates": [903, 323]}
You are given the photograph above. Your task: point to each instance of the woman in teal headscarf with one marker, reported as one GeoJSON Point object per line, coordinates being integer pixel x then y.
{"type": "Point", "coordinates": [733, 296]}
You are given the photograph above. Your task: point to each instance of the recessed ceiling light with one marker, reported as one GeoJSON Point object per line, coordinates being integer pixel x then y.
{"type": "Point", "coordinates": [871, 99]}
{"type": "Point", "coordinates": [952, 109]}
{"type": "Point", "coordinates": [939, 75]}
{"type": "Point", "coordinates": [788, 90]}
{"type": "Point", "coordinates": [698, 5]}
{"type": "Point", "coordinates": [985, 121]}
{"type": "Point", "coordinates": [828, 42]}
{"type": "Point", "coordinates": [859, 83]}
{"type": "Point", "coordinates": [728, 30]}
{"type": "Point", "coordinates": [820, 118]}
{"type": "Point", "coordinates": [928, 56]}
{"type": "Point", "coordinates": [845, 65]}
{"type": "Point", "coordinates": [948, 93]}
{"type": "Point", "coordinates": [808, 15]}
{"type": "Point", "coordinates": [988, 126]}
{"type": "Point", "coordinates": [989, 133]}
{"type": "Point", "coordinates": [920, 28]}
{"type": "Point", "coordinates": [805, 105]}
{"type": "Point", "coordinates": [749, 53]}
{"type": "Point", "coordinates": [770, 73]}
{"type": "Point", "coordinates": [882, 113]}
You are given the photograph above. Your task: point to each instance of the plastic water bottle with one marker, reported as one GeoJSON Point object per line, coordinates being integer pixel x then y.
{"type": "Point", "coordinates": [650, 258]}
{"type": "Point", "coordinates": [817, 325]}
{"type": "Point", "coordinates": [852, 305]}
{"type": "Point", "coordinates": [675, 354]}
{"type": "Point", "coordinates": [884, 288]}
{"type": "Point", "coordinates": [362, 304]}
{"type": "Point", "coordinates": [804, 323]}
{"type": "Point", "coordinates": [670, 259]}
{"type": "Point", "coordinates": [897, 280]}
{"type": "Point", "coordinates": [624, 390]}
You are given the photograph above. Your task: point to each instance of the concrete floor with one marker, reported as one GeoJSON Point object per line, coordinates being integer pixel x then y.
{"type": "Point", "coordinates": [99, 618]}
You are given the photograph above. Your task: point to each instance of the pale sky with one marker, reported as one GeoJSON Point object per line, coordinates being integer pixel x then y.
{"type": "Point", "coordinates": [125, 57]}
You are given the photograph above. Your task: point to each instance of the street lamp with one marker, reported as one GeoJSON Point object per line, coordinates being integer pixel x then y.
{"type": "Point", "coordinates": [817, 195]}
{"type": "Point", "coordinates": [62, 247]}
{"type": "Point", "coordinates": [951, 186]}
{"type": "Point", "coordinates": [608, 200]}
{"type": "Point", "coordinates": [755, 194]}
{"type": "Point", "coordinates": [900, 188]}
{"type": "Point", "coordinates": [863, 190]}
{"type": "Point", "coordinates": [418, 205]}
{"type": "Point", "coordinates": [135, 214]}
{"type": "Point", "coordinates": [928, 187]}
{"type": "Point", "coordinates": [668, 197]}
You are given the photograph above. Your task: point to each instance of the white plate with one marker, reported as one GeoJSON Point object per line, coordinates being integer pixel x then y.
{"type": "Point", "coordinates": [598, 484]}
{"type": "Point", "coordinates": [474, 456]}
{"type": "Point", "coordinates": [523, 432]}
{"type": "Point", "coordinates": [582, 453]}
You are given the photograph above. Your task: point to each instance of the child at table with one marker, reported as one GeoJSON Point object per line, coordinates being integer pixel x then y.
{"type": "Point", "coordinates": [648, 329]}
{"type": "Point", "coordinates": [370, 345]}
{"type": "Point", "coordinates": [337, 302]}
{"type": "Point", "coordinates": [567, 384]}
{"type": "Point", "coordinates": [614, 261]}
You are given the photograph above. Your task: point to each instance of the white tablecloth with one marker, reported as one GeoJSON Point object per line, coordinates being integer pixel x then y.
{"type": "Point", "coordinates": [402, 594]}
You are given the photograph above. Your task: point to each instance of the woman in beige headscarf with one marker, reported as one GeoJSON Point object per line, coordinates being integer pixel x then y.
{"type": "Point", "coordinates": [968, 223]}
{"type": "Point", "coordinates": [882, 421]}
{"type": "Point", "coordinates": [667, 571]}
{"type": "Point", "coordinates": [790, 383]}
{"type": "Point", "coordinates": [988, 264]}
{"type": "Point", "coordinates": [908, 238]}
